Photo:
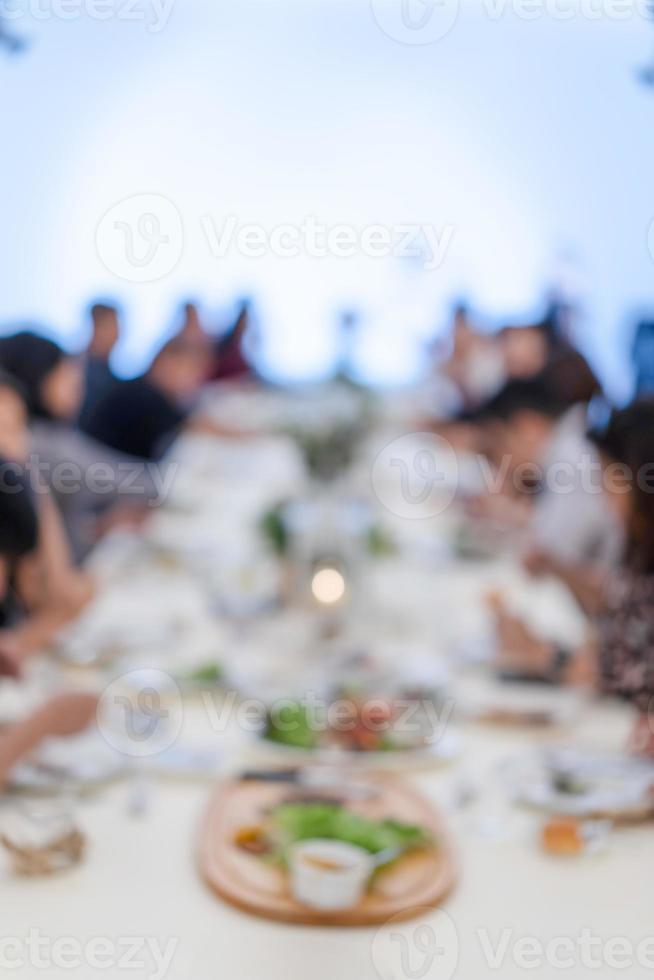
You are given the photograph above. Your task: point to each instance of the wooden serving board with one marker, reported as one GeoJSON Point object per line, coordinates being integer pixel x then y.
{"type": "Point", "coordinates": [417, 880]}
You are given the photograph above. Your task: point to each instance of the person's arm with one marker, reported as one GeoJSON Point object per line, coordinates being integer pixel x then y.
{"type": "Point", "coordinates": [585, 580]}
{"type": "Point", "coordinates": [65, 714]}
{"type": "Point", "coordinates": [48, 580]}
{"type": "Point", "coordinates": [35, 633]}
{"type": "Point", "coordinates": [522, 652]}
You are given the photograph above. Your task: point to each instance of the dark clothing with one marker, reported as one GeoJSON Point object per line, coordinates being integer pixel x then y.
{"type": "Point", "coordinates": [643, 358]}
{"type": "Point", "coordinates": [136, 418]}
{"type": "Point", "coordinates": [231, 361]}
{"type": "Point", "coordinates": [19, 529]}
{"type": "Point", "coordinates": [100, 379]}
{"type": "Point", "coordinates": [626, 639]}
{"type": "Point", "coordinates": [231, 364]}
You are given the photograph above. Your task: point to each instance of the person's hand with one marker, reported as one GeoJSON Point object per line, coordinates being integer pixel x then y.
{"type": "Point", "coordinates": [74, 592]}
{"type": "Point", "coordinates": [519, 648]}
{"type": "Point", "coordinates": [538, 562]}
{"type": "Point", "coordinates": [67, 714]}
{"type": "Point", "coordinates": [11, 659]}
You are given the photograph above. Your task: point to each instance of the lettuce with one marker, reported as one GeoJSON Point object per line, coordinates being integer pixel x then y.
{"type": "Point", "coordinates": [305, 821]}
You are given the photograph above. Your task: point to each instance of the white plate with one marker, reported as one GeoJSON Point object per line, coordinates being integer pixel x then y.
{"type": "Point", "coordinates": [609, 784]}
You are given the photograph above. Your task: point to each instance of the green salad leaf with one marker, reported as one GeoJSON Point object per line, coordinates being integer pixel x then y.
{"type": "Point", "coordinates": [291, 726]}
{"type": "Point", "coordinates": [305, 821]}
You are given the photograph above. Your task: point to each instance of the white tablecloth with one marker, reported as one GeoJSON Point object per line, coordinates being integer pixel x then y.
{"type": "Point", "coordinates": [140, 880]}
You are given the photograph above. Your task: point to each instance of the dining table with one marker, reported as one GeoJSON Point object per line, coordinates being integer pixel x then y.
{"type": "Point", "coordinates": [170, 596]}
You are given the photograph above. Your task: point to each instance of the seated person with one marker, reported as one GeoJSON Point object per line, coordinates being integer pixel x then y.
{"type": "Point", "coordinates": [475, 363]}
{"type": "Point", "coordinates": [550, 472]}
{"type": "Point", "coordinates": [529, 349]}
{"type": "Point", "coordinates": [570, 377]}
{"type": "Point", "coordinates": [19, 535]}
{"type": "Point", "coordinates": [19, 539]}
{"type": "Point", "coordinates": [67, 460]}
{"type": "Point", "coordinates": [620, 657]}
{"type": "Point", "coordinates": [37, 566]}
{"type": "Point", "coordinates": [525, 351]}
{"type": "Point", "coordinates": [141, 417]}
{"type": "Point", "coordinates": [99, 377]}
{"type": "Point", "coordinates": [63, 714]}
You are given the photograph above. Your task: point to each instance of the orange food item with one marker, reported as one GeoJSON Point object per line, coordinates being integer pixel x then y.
{"type": "Point", "coordinates": [562, 835]}
{"type": "Point", "coordinates": [252, 839]}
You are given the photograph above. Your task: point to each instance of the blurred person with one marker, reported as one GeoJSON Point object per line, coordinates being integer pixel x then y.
{"type": "Point", "coordinates": [19, 534]}
{"type": "Point", "coordinates": [550, 471]}
{"type": "Point", "coordinates": [619, 658]}
{"type": "Point", "coordinates": [545, 347]}
{"type": "Point", "coordinates": [475, 363]}
{"type": "Point", "coordinates": [39, 589]}
{"type": "Point", "coordinates": [14, 419]}
{"type": "Point", "coordinates": [192, 332]}
{"type": "Point", "coordinates": [571, 378]}
{"type": "Point", "coordinates": [99, 377]}
{"type": "Point", "coordinates": [232, 360]}
{"type": "Point", "coordinates": [525, 350]}
{"type": "Point", "coordinates": [141, 417]}
{"type": "Point", "coordinates": [642, 354]}
{"type": "Point", "coordinates": [53, 384]}
{"type": "Point", "coordinates": [52, 380]}
{"type": "Point", "coordinates": [64, 714]}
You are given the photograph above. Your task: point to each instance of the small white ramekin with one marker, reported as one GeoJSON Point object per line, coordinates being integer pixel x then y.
{"type": "Point", "coordinates": [329, 888]}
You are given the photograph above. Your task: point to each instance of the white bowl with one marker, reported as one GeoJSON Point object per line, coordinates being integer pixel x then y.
{"type": "Point", "coordinates": [329, 874]}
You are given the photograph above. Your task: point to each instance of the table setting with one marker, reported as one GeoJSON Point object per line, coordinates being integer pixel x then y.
{"type": "Point", "coordinates": [299, 708]}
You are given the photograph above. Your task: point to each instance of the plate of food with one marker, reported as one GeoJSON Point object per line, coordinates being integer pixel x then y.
{"type": "Point", "coordinates": [586, 784]}
{"type": "Point", "coordinates": [350, 853]}
{"type": "Point", "coordinates": [359, 730]}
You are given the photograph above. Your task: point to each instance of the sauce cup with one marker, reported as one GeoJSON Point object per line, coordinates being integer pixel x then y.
{"type": "Point", "coordinates": [329, 874]}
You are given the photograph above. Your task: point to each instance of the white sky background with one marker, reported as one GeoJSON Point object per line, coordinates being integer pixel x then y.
{"type": "Point", "coordinates": [530, 137]}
